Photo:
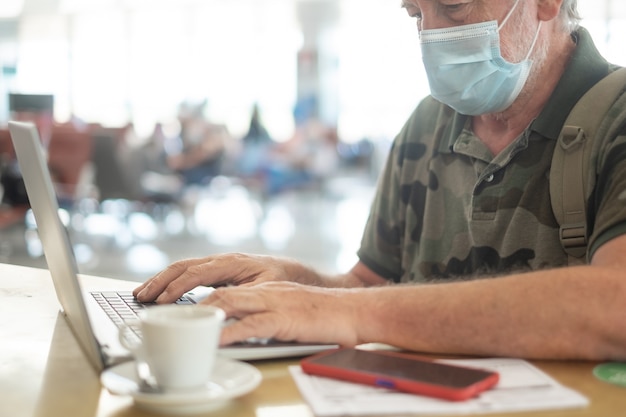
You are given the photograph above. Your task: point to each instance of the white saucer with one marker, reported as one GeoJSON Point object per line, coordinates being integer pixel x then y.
{"type": "Point", "coordinates": [230, 379]}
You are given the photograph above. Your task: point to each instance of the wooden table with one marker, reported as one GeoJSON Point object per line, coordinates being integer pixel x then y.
{"type": "Point", "coordinates": [43, 372]}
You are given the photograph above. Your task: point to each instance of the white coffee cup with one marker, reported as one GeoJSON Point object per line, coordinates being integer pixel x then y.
{"type": "Point", "coordinates": [179, 344]}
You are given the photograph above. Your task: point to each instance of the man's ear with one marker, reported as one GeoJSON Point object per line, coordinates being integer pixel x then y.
{"type": "Point", "coordinates": [548, 9]}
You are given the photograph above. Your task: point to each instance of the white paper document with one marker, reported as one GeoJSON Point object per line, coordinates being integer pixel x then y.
{"type": "Point", "coordinates": [522, 387]}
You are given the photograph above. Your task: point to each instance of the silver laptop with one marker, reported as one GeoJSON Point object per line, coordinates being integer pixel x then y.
{"type": "Point", "coordinates": [94, 329]}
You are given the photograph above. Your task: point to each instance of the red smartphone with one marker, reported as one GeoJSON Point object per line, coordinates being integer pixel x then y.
{"type": "Point", "coordinates": [402, 372]}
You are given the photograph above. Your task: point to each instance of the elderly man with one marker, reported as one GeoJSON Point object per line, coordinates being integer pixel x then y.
{"type": "Point", "coordinates": [462, 221]}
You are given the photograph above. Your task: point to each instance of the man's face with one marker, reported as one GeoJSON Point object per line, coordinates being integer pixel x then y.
{"type": "Point", "coordinates": [437, 14]}
{"type": "Point", "coordinates": [516, 36]}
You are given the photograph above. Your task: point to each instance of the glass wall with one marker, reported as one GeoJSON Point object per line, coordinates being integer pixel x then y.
{"type": "Point", "coordinates": [112, 64]}
{"type": "Point", "coordinates": [118, 61]}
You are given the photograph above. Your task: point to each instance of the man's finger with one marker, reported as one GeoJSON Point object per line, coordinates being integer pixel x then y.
{"type": "Point", "coordinates": [259, 325]}
{"type": "Point", "coordinates": [155, 286]}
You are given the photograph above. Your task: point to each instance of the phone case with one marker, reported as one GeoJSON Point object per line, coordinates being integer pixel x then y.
{"type": "Point", "coordinates": [479, 380]}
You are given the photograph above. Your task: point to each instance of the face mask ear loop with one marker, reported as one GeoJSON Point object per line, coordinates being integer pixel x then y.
{"type": "Point", "coordinates": [508, 15]}
{"type": "Point", "coordinates": [534, 41]}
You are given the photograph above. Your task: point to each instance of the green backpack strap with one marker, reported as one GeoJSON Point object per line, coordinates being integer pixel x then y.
{"type": "Point", "coordinates": [569, 178]}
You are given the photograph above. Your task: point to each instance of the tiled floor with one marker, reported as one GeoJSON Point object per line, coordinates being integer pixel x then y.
{"type": "Point", "coordinates": [120, 239]}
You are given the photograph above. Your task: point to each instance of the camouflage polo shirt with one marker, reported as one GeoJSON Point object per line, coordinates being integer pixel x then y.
{"type": "Point", "coordinates": [445, 207]}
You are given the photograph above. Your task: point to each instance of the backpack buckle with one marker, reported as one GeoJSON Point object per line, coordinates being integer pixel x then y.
{"type": "Point", "coordinates": [574, 238]}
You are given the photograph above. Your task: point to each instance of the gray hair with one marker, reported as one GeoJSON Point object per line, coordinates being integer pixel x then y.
{"type": "Point", "coordinates": [570, 18]}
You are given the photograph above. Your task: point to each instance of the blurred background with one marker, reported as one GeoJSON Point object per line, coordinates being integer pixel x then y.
{"type": "Point", "coordinates": [182, 128]}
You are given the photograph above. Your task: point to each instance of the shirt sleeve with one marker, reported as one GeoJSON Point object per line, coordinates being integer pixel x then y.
{"type": "Point", "coordinates": [380, 247]}
{"type": "Point", "coordinates": [386, 239]}
{"type": "Point", "coordinates": [610, 194]}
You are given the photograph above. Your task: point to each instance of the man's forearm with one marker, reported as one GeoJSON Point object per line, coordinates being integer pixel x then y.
{"type": "Point", "coordinates": [577, 312]}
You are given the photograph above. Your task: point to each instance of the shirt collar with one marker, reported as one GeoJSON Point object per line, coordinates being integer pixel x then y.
{"type": "Point", "coordinates": [586, 68]}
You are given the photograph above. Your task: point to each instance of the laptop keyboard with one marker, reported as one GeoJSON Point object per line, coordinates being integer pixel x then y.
{"type": "Point", "coordinates": [122, 307]}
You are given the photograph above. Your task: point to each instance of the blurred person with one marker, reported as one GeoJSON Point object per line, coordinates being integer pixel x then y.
{"type": "Point", "coordinates": [202, 147]}
{"type": "Point", "coordinates": [256, 146]}
{"type": "Point", "coordinates": [148, 173]}
{"type": "Point", "coordinates": [257, 133]}
{"type": "Point", "coordinates": [461, 252]}
{"type": "Point", "coordinates": [307, 159]}
{"type": "Point", "coordinates": [39, 110]}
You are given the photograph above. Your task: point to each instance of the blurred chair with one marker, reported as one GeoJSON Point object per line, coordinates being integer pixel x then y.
{"type": "Point", "coordinates": [6, 146]}
{"type": "Point", "coordinates": [10, 213]}
{"type": "Point", "coordinates": [70, 163]}
{"type": "Point", "coordinates": [110, 175]}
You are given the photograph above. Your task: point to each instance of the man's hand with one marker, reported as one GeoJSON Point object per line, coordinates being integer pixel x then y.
{"type": "Point", "coordinates": [289, 312]}
{"type": "Point", "coordinates": [219, 270]}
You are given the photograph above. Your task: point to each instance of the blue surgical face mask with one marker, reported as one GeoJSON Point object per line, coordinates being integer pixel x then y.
{"type": "Point", "coordinates": [466, 70]}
